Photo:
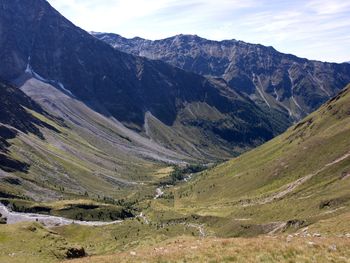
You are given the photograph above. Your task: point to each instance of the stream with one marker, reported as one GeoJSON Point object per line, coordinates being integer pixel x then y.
{"type": "Point", "coordinates": [47, 220]}
{"type": "Point", "coordinates": [54, 221]}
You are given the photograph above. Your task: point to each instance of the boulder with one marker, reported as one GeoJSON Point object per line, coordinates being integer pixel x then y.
{"type": "Point", "coordinates": [3, 220]}
{"type": "Point", "coordinates": [75, 252]}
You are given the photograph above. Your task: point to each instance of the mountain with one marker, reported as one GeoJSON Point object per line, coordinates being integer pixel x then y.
{"type": "Point", "coordinates": [200, 118]}
{"type": "Point", "coordinates": [275, 80]}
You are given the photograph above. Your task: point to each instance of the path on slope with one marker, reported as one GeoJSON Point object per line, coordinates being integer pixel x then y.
{"type": "Point", "coordinates": [293, 185]}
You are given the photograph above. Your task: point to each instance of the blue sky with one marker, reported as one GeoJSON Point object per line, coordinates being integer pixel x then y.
{"type": "Point", "coordinates": [315, 29]}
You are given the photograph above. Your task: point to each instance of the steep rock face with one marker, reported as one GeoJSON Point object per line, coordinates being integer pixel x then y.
{"type": "Point", "coordinates": [295, 85]}
{"type": "Point", "coordinates": [36, 41]}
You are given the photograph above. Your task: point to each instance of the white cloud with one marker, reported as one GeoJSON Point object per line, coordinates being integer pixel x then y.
{"type": "Point", "coordinates": [316, 29]}
{"type": "Point", "coordinates": [323, 7]}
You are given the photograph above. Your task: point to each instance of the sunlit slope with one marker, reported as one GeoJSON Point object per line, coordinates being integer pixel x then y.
{"type": "Point", "coordinates": [302, 174]}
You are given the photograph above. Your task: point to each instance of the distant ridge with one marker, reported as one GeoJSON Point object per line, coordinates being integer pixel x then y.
{"type": "Point", "coordinates": [272, 79]}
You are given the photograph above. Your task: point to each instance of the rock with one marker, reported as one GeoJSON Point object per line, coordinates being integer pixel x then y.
{"type": "Point", "coordinates": [133, 253]}
{"type": "Point", "coordinates": [295, 223]}
{"type": "Point", "coordinates": [75, 252]}
{"type": "Point", "coordinates": [332, 247]}
{"type": "Point", "coordinates": [3, 220]}
{"type": "Point", "coordinates": [316, 235]}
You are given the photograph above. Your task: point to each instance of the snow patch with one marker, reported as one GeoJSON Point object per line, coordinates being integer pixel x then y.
{"type": "Point", "coordinates": [29, 70]}
{"type": "Point", "coordinates": [63, 88]}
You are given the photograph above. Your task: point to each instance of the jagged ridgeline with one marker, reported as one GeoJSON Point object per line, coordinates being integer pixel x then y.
{"type": "Point", "coordinates": [294, 85]}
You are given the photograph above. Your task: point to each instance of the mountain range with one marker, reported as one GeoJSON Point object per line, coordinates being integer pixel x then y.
{"type": "Point", "coordinates": [146, 96]}
{"type": "Point", "coordinates": [284, 82]}
{"type": "Point", "coordinates": [134, 110]}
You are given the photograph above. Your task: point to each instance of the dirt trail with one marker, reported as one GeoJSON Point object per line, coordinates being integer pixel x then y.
{"type": "Point", "coordinates": [339, 159]}
{"type": "Point", "coordinates": [293, 185]}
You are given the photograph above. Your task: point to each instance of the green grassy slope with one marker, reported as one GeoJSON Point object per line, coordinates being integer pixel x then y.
{"type": "Point", "coordinates": [301, 175]}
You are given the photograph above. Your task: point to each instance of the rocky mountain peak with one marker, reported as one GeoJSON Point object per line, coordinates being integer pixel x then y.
{"type": "Point", "coordinates": [272, 79]}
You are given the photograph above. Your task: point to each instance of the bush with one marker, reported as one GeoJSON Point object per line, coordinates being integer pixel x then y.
{"type": "Point", "coordinates": [179, 173]}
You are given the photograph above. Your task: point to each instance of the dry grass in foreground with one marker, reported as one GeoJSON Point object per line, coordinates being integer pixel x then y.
{"type": "Point", "coordinates": [260, 249]}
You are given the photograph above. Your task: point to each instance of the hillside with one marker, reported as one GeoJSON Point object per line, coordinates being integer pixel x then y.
{"type": "Point", "coordinates": [182, 111]}
{"type": "Point", "coordinates": [63, 158]}
{"type": "Point", "coordinates": [296, 179]}
{"type": "Point", "coordinates": [14, 117]}
{"type": "Point", "coordinates": [294, 85]}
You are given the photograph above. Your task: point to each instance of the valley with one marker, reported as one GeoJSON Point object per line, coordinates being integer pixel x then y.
{"type": "Point", "coordinates": [299, 206]}
{"type": "Point", "coordinates": [175, 150]}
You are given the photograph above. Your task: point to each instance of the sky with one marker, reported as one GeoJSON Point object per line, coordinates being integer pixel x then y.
{"type": "Point", "coordinates": [314, 29]}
